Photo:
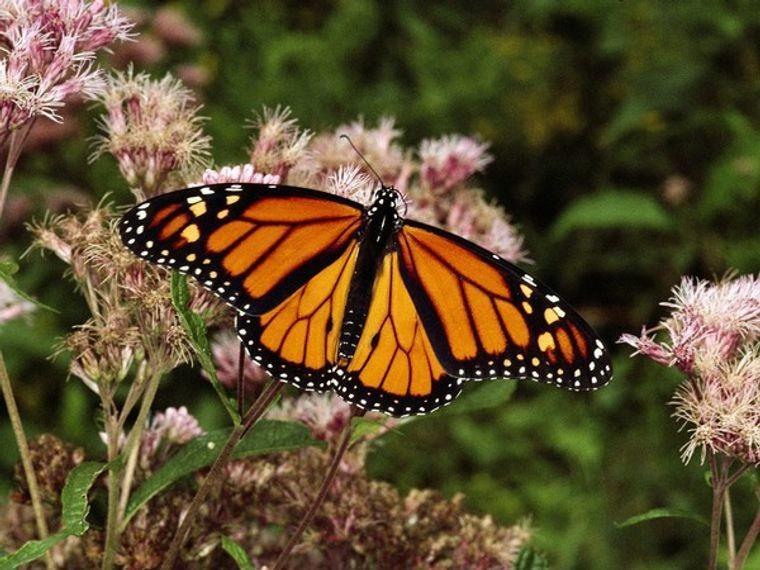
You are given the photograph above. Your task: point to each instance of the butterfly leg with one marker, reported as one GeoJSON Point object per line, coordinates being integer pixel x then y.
{"type": "Point", "coordinates": [332, 470]}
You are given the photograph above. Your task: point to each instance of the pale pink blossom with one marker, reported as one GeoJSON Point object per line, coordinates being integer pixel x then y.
{"type": "Point", "coordinates": [225, 349]}
{"type": "Point", "coordinates": [243, 173]}
{"type": "Point", "coordinates": [379, 145]}
{"type": "Point", "coordinates": [168, 429]}
{"type": "Point", "coordinates": [152, 128]}
{"type": "Point", "coordinates": [712, 336]}
{"type": "Point", "coordinates": [450, 160]}
{"type": "Point", "coordinates": [353, 183]}
{"type": "Point", "coordinates": [278, 143]}
{"type": "Point", "coordinates": [326, 415]}
{"type": "Point", "coordinates": [49, 49]}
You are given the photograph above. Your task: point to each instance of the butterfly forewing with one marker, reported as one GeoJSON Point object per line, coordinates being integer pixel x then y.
{"type": "Point", "coordinates": [251, 244]}
{"type": "Point", "coordinates": [488, 319]}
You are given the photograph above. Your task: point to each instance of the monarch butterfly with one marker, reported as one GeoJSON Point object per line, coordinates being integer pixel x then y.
{"type": "Point", "coordinates": [392, 314]}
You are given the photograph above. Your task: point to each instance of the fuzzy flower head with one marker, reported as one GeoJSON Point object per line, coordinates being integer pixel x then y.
{"type": "Point", "coordinates": [152, 128]}
{"type": "Point", "coordinates": [278, 144]}
{"type": "Point", "coordinates": [378, 144]}
{"type": "Point", "coordinates": [243, 173]}
{"type": "Point", "coordinates": [48, 52]}
{"type": "Point", "coordinates": [712, 335]}
{"type": "Point", "coordinates": [133, 318]}
{"type": "Point", "coordinates": [326, 415]}
{"type": "Point", "coordinates": [450, 160]}
{"type": "Point", "coordinates": [225, 349]}
{"type": "Point", "coordinates": [168, 430]}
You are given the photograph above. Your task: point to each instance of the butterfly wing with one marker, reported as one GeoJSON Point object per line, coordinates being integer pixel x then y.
{"type": "Point", "coordinates": [252, 244]}
{"type": "Point", "coordinates": [297, 340]}
{"type": "Point", "coordinates": [487, 318]}
{"type": "Point", "coordinates": [394, 368]}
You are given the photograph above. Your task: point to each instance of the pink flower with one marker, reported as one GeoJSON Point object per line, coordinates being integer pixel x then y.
{"type": "Point", "coordinates": [326, 415]}
{"type": "Point", "coordinates": [351, 182]}
{"type": "Point", "coordinates": [50, 47]}
{"type": "Point", "coordinates": [712, 336]}
{"type": "Point", "coordinates": [225, 349]}
{"type": "Point", "coordinates": [168, 429]}
{"type": "Point", "coordinates": [152, 129]}
{"type": "Point", "coordinates": [450, 160]}
{"type": "Point", "coordinates": [279, 144]}
{"type": "Point", "coordinates": [245, 173]}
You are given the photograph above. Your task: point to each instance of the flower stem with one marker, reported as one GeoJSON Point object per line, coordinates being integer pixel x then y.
{"type": "Point", "coordinates": [132, 446]}
{"type": "Point", "coordinates": [111, 542]}
{"type": "Point", "coordinates": [254, 413]}
{"type": "Point", "coordinates": [332, 470]}
{"type": "Point", "coordinates": [16, 144]}
{"type": "Point", "coordinates": [26, 458]}
{"type": "Point", "coordinates": [748, 542]}
{"type": "Point", "coordinates": [730, 536]}
{"type": "Point", "coordinates": [718, 480]}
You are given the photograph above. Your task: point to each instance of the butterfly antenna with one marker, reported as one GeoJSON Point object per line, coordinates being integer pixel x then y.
{"type": "Point", "coordinates": [356, 150]}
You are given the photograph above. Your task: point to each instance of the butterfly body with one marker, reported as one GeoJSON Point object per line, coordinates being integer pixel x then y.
{"type": "Point", "coordinates": [392, 314]}
{"type": "Point", "coordinates": [380, 225]}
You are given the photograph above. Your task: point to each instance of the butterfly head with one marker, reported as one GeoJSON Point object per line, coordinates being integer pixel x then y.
{"type": "Point", "coordinates": [389, 202]}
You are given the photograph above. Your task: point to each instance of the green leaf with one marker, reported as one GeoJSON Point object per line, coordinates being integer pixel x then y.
{"type": "Point", "coordinates": [8, 269]}
{"type": "Point", "coordinates": [237, 553]}
{"type": "Point", "coordinates": [196, 331]}
{"type": "Point", "coordinates": [364, 426]}
{"type": "Point", "coordinates": [529, 559]}
{"type": "Point", "coordinates": [482, 396]}
{"type": "Point", "coordinates": [663, 513]}
{"type": "Point", "coordinates": [74, 515]}
{"type": "Point", "coordinates": [267, 436]}
{"type": "Point", "coordinates": [613, 209]}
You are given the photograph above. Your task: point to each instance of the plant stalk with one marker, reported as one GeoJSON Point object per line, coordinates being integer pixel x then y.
{"type": "Point", "coordinates": [718, 480]}
{"type": "Point", "coordinates": [748, 542]}
{"type": "Point", "coordinates": [132, 446]}
{"type": "Point", "coordinates": [345, 440]}
{"type": "Point", "coordinates": [730, 535]}
{"type": "Point", "coordinates": [109, 550]}
{"type": "Point", "coordinates": [15, 146]}
{"type": "Point", "coordinates": [257, 410]}
{"type": "Point", "coordinates": [26, 457]}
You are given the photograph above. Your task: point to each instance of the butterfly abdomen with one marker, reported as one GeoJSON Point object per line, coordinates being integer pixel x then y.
{"type": "Point", "coordinates": [380, 226]}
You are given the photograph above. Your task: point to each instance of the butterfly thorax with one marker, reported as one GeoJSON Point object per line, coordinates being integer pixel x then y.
{"type": "Point", "coordinates": [381, 223]}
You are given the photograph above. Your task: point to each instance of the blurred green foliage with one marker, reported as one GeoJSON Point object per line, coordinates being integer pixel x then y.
{"type": "Point", "coordinates": [626, 138]}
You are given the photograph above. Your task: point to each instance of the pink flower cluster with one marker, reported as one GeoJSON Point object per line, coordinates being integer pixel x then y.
{"type": "Point", "coordinates": [152, 129]}
{"type": "Point", "coordinates": [49, 48]}
{"type": "Point", "coordinates": [713, 336]}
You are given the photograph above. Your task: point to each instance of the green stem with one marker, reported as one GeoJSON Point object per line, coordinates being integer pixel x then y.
{"type": "Point", "coordinates": [257, 410]}
{"type": "Point", "coordinates": [109, 550]}
{"type": "Point", "coordinates": [26, 457]}
{"type": "Point", "coordinates": [718, 480]}
{"type": "Point", "coordinates": [132, 447]}
{"type": "Point", "coordinates": [730, 536]}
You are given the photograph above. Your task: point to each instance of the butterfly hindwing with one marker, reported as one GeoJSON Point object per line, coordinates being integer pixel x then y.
{"type": "Point", "coordinates": [394, 368]}
{"type": "Point", "coordinates": [486, 318]}
{"type": "Point", "coordinates": [251, 244]}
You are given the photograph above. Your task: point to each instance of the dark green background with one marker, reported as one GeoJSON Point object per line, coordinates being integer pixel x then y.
{"type": "Point", "coordinates": [593, 108]}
